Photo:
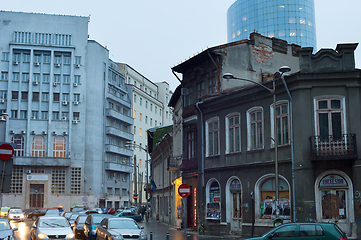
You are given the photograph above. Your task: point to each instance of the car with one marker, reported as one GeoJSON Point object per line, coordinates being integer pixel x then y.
{"type": "Point", "coordinates": [38, 213]}
{"type": "Point", "coordinates": [78, 226]}
{"type": "Point", "coordinates": [52, 212]}
{"type": "Point", "coordinates": [78, 208]}
{"type": "Point", "coordinates": [16, 214]}
{"type": "Point", "coordinates": [111, 211]}
{"type": "Point", "coordinates": [309, 231]}
{"type": "Point", "coordinates": [6, 231]}
{"type": "Point", "coordinates": [67, 215]}
{"type": "Point", "coordinates": [72, 218]}
{"type": "Point", "coordinates": [91, 223]}
{"type": "Point", "coordinates": [4, 211]}
{"type": "Point", "coordinates": [129, 214]}
{"type": "Point", "coordinates": [119, 228]}
{"type": "Point", "coordinates": [104, 209]}
{"type": "Point", "coordinates": [51, 227]}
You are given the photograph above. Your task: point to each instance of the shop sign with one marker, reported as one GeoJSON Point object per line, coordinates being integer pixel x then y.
{"type": "Point", "coordinates": [333, 181]}
{"type": "Point", "coordinates": [213, 211]}
{"type": "Point", "coordinates": [33, 177]}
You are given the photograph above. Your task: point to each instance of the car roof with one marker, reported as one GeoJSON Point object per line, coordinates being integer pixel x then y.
{"type": "Point", "coordinates": [46, 217]}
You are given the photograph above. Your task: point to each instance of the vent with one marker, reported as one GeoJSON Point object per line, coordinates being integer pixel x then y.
{"type": "Point", "coordinates": [33, 132]}
{"type": "Point", "coordinates": [11, 131]}
{"type": "Point", "coordinates": [65, 103]}
{"type": "Point", "coordinates": [65, 134]}
{"type": "Point", "coordinates": [55, 84]}
{"type": "Point", "coordinates": [15, 62]}
{"type": "Point", "coordinates": [57, 64]}
{"type": "Point", "coordinates": [44, 132]}
{"type": "Point", "coordinates": [36, 64]}
{"type": "Point", "coordinates": [77, 65]}
{"type": "Point", "coordinates": [35, 83]}
{"type": "Point", "coordinates": [33, 117]}
{"type": "Point", "coordinates": [23, 132]}
{"type": "Point", "coordinates": [54, 133]}
{"type": "Point", "coordinates": [75, 84]}
{"type": "Point", "coordinates": [63, 118]}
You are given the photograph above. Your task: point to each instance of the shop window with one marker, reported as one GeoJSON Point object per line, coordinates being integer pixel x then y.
{"type": "Point", "coordinates": [213, 201]}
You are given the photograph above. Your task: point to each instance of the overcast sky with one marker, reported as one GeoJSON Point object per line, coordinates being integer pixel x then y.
{"type": "Point", "coordinates": [153, 36]}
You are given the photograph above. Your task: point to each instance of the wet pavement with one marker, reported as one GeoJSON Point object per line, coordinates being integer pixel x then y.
{"type": "Point", "coordinates": [160, 231]}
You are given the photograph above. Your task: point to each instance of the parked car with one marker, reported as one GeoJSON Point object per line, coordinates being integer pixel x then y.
{"type": "Point", "coordinates": [78, 208]}
{"type": "Point", "coordinates": [4, 211]}
{"type": "Point", "coordinates": [91, 223]}
{"type": "Point", "coordinates": [309, 231]}
{"type": "Point", "coordinates": [129, 214]}
{"type": "Point", "coordinates": [72, 218]}
{"type": "Point", "coordinates": [78, 227]}
{"type": "Point", "coordinates": [104, 209]}
{"type": "Point", "coordinates": [38, 213]}
{"type": "Point", "coordinates": [6, 231]}
{"type": "Point", "coordinates": [51, 227]}
{"type": "Point", "coordinates": [111, 211]}
{"type": "Point", "coordinates": [52, 212]}
{"type": "Point", "coordinates": [119, 228]}
{"type": "Point", "coordinates": [67, 215]}
{"type": "Point", "coordinates": [16, 214]}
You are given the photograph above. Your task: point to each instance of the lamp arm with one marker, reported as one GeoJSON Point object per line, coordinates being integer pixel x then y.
{"type": "Point", "coordinates": [259, 84]}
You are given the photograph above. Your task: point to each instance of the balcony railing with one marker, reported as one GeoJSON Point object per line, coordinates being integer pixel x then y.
{"type": "Point", "coordinates": [189, 164]}
{"type": "Point", "coordinates": [333, 147]}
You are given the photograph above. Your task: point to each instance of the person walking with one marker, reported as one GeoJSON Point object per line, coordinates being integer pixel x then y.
{"type": "Point", "coordinates": [142, 211]}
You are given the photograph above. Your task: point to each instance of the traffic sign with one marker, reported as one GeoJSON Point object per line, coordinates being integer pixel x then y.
{"type": "Point", "coordinates": [184, 190]}
{"type": "Point", "coordinates": [6, 151]}
{"type": "Point", "coordinates": [135, 197]}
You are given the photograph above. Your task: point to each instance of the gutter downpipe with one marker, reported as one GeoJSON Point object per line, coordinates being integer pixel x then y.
{"type": "Point", "coordinates": [292, 151]}
{"type": "Point", "coordinates": [201, 215]}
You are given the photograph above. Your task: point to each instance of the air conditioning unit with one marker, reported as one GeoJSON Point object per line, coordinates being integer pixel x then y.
{"type": "Point", "coordinates": [76, 102]}
{"type": "Point", "coordinates": [15, 62]}
{"type": "Point", "coordinates": [28, 171]}
{"type": "Point", "coordinates": [35, 83]}
{"type": "Point", "coordinates": [57, 64]}
{"type": "Point", "coordinates": [63, 118]}
{"type": "Point", "coordinates": [2, 100]}
{"type": "Point", "coordinates": [33, 133]}
{"type": "Point", "coordinates": [65, 134]}
{"type": "Point", "coordinates": [55, 84]}
{"type": "Point", "coordinates": [44, 132]}
{"type": "Point", "coordinates": [65, 103]}
{"type": "Point", "coordinates": [75, 121]}
{"type": "Point", "coordinates": [11, 131]}
{"type": "Point", "coordinates": [2, 119]}
{"type": "Point", "coordinates": [36, 64]}
{"type": "Point", "coordinates": [75, 84]}
{"type": "Point", "coordinates": [23, 132]}
{"type": "Point", "coordinates": [77, 65]}
{"type": "Point", "coordinates": [33, 117]}
{"type": "Point", "coordinates": [54, 133]}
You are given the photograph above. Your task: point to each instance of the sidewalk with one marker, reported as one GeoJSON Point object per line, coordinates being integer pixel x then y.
{"type": "Point", "coordinates": [159, 232]}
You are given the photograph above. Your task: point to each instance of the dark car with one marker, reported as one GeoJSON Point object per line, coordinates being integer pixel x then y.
{"type": "Point", "coordinates": [73, 217]}
{"type": "Point", "coordinates": [129, 214]}
{"type": "Point", "coordinates": [91, 224]}
{"type": "Point", "coordinates": [78, 226]}
{"type": "Point", "coordinates": [37, 213]}
{"type": "Point", "coordinates": [309, 231]}
{"type": "Point", "coordinates": [6, 232]}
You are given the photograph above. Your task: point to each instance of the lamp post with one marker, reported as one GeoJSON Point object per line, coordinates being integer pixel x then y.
{"type": "Point", "coordinates": [275, 139]}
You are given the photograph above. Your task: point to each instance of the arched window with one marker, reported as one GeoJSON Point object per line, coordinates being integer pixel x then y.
{"type": "Point", "coordinates": [19, 150]}
{"type": "Point", "coordinates": [213, 195]}
{"type": "Point", "coordinates": [38, 148]}
{"type": "Point", "coordinates": [59, 147]}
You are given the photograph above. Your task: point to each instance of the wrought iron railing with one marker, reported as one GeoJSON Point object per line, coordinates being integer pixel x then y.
{"type": "Point", "coordinates": [334, 145]}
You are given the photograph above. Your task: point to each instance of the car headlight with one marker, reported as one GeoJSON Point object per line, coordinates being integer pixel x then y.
{"type": "Point", "coordinates": [117, 237]}
{"type": "Point", "coordinates": [93, 231]}
{"type": "Point", "coordinates": [70, 235]}
{"type": "Point", "coordinates": [142, 235]}
{"type": "Point", "coordinates": [10, 216]}
{"type": "Point", "coordinates": [22, 216]}
{"type": "Point", "coordinates": [42, 236]}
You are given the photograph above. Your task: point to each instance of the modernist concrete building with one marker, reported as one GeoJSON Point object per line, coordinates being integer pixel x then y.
{"type": "Point", "coordinates": [149, 109]}
{"type": "Point", "coordinates": [69, 114]}
{"type": "Point", "coordinates": [293, 21]}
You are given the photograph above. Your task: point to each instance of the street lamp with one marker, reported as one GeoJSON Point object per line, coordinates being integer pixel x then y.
{"type": "Point", "coordinates": [273, 91]}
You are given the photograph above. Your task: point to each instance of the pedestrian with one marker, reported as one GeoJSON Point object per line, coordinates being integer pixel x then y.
{"type": "Point", "coordinates": [142, 211]}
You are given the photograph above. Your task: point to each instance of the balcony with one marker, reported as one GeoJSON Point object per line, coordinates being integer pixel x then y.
{"type": "Point", "coordinates": [42, 161]}
{"type": "Point", "coordinates": [118, 133]}
{"type": "Point", "coordinates": [118, 167]}
{"type": "Point", "coordinates": [114, 114]}
{"type": "Point", "coordinates": [118, 150]}
{"type": "Point", "coordinates": [188, 165]}
{"type": "Point", "coordinates": [172, 164]}
{"type": "Point", "coordinates": [333, 147]}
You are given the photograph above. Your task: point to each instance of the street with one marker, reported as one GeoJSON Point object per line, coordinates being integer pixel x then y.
{"type": "Point", "coordinates": [159, 231]}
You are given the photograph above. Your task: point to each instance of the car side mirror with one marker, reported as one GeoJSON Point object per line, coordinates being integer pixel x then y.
{"type": "Point", "coordinates": [141, 227]}
{"type": "Point", "coordinates": [15, 229]}
{"type": "Point", "coordinates": [104, 226]}
{"type": "Point", "coordinates": [270, 236]}
{"type": "Point", "coordinates": [33, 226]}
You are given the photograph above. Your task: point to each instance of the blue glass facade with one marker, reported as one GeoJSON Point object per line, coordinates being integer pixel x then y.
{"type": "Point", "coordinates": [291, 20]}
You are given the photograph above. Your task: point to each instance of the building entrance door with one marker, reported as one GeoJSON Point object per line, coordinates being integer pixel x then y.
{"type": "Point", "coordinates": [36, 196]}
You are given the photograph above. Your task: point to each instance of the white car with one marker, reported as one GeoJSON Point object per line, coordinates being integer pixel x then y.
{"type": "Point", "coordinates": [51, 227]}
{"type": "Point", "coordinates": [16, 214]}
{"type": "Point", "coordinates": [119, 228]}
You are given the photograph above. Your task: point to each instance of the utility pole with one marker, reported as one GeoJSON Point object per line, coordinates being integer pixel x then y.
{"type": "Point", "coordinates": [135, 179]}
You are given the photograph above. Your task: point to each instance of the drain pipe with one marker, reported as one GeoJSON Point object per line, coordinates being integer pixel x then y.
{"type": "Point", "coordinates": [201, 215]}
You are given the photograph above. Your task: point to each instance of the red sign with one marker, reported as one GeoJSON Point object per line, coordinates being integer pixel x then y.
{"type": "Point", "coordinates": [184, 190]}
{"type": "Point", "coordinates": [135, 197]}
{"type": "Point", "coordinates": [6, 151]}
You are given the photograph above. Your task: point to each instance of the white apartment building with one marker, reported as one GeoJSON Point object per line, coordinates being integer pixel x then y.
{"type": "Point", "coordinates": [69, 114]}
{"type": "Point", "coordinates": [149, 109]}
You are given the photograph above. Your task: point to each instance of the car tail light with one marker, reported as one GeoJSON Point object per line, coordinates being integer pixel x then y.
{"type": "Point", "coordinates": [343, 238]}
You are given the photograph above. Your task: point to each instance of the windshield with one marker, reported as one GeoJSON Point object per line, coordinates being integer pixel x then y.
{"type": "Point", "coordinates": [15, 211]}
{"type": "Point", "coordinates": [122, 224]}
{"type": "Point", "coordinates": [97, 219]}
{"type": "Point", "coordinates": [52, 211]}
{"type": "Point", "coordinates": [74, 216]}
{"type": "Point", "coordinates": [5, 209]}
{"type": "Point", "coordinates": [82, 219]}
{"type": "Point", "coordinates": [4, 225]}
{"type": "Point", "coordinates": [53, 223]}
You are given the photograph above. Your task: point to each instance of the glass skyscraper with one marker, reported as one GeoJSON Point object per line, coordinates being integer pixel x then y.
{"type": "Point", "coordinates": [291, 20]}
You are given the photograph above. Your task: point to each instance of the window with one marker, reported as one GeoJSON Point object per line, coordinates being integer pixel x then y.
{"type": "Point", "coordinates": [16, 185]}
{"type": "Point", "coordinates": [23, 114]}
{"type": "Point", "coordinates": [76, 97]}
{"type": "Point", "coordinates": [14, 114]}
{"type": "Point", "coordinates": [140, 101]}
{"type": "Point", "coordinates": [160, 112]}
{"type": "Point", "coordinates": [155, 123]}
{"type": "Point", "coordinates": [213, 198]}
{"type": "Point", "coordinates": [16, 57]}
{"type": "Point", "coordinates": [200, 89]}
{"type": "Point", "coordinates": [77, 60]}
{"type": "Point", "coordinates": [24, 96]}
{"type": "Point", "coordinates": [57, 60]}
{"type": "Point", "coordinates": [75, 187]}
{"type": "Point", "coordinates": [46, 78]}
{"type": "Point", "coordinates": [140, 117]}
{"type": "Point", "coordinates": [66, 97]}
{"type": "Point", "coordinates": [14, 95]}
{"type": "Point", "coordinates": [59, 147]}
{"type": "Point", "coordinates": [36, 77]}
{"type": "Point", "coordinates": [213, 137]}
{"type": "Point", "coordinates": [66, 79]}
{"type": "Point", "coordinates": [151, 122]}
{"type": "Point", "coordinates": [310, 230]}
{"type": "Point", "coordinates": [146, 104]}
{"type": "Point", "coordinates": [286, 231]}
{"type": "Point", "coordinates": [140, 131]}
{"type": "Point", "coordinates": [134, 114]}
{"type": "Point", "coordinates": [44, 115]}
{"type": "Point", "coordinates": [19, 149]}
{"type": "Point", "coordinates": [26, 57]}
{"type": "Point", "coordinates": [135, 98]}
{"type": "Point", "coordinates": [66, 60]}
{"type": "Point", "coordinates": [45, 96]}
{"type": "Point", "coordinates": [58, 177]}
{"type": "Point", "coordinates": [5, 56]}
{"type": "Point", "coordinates": [77, 79]}
{"type": "Point", "coordinates": [151, 107]}
{"type": "Point", "coordinates": [37, 58]}
{"type": "Point", "coordinates": [55, 115]}
{"type": "Point", "coordinates": [76, 116]}
{"type": "Point", "coordinates": [3, 94]}
{"type": "Point", "coordinates": [35, 114]}
{"type": "Point", "coordinates": [56, 78]}
{"type": "Point", "coordinates": [64, 115]}
{"type": "Point", "coordinates": [56, 97]}
{"type": "Point", "coordinates": [35, 96]}
{"type": "Point", "coordinates": [4, 75]}
{"type": "Point", "coordinates": [46, 58]}
{"type": "Point", "coordinates": [155, 109]}
{"type": "Point", "coordinates": [233, 133]}
{"type": "Point", "coordinates": [329, 119]}
{"type": "Point", "coordinates": [212, 85]}
{"type": "Point", "coordinates": [146, 119]}
{"type": "Point", "coordinates": [25, 77]}
{"type": "Point", "coordinates": [282, 124]}
{"type": "Point", "coordinates": [16, 76]}
{"type": "Point", "coordinates": [190, 145]}
{"type": "Point", "coordinates": [255, 128]}
{"type": "Point", "coordinates": [38, 146]}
